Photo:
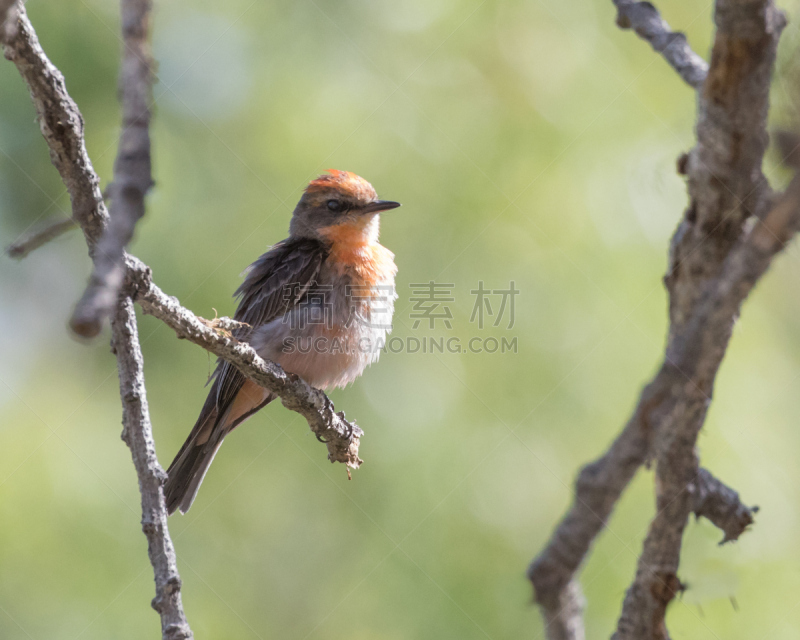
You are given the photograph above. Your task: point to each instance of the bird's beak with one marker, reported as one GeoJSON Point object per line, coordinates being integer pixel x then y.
{"type": "Point", "coordinates": [380, 205]}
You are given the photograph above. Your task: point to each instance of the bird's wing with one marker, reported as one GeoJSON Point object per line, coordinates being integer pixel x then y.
{"type": "Point", "coordinates": [274, 284]}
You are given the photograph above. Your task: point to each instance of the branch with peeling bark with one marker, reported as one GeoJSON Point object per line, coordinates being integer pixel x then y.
{"type": "Point", "coordinates": [731, 231]}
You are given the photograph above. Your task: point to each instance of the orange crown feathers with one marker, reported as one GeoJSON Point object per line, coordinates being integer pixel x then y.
{"type": "Point", "coordinates": [344, 182]}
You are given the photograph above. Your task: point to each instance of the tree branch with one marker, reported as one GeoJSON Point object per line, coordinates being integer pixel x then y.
{"type": "Point", "coordinates": [132, 172]}
{"type": "Point", "coordinates": [138, 435]}
{"type": "Point", "coordinates": [61, 125]}
{"type": "Point", "coordinates": [721, 505]}
{"type": "Point", "coordinates": [725, 181]}
{"type": "Point", "coordinates": [710, 281]}
{"type": "Point", "coordinates": [9, 12]}
{"type": "Point", "coordinates": [340, 436]}
{"type": "Point", "coordinates": [36, 239]}
{"type": "Point", "coordinates": [648, 24]}
{"type": "Point", "coordinates": [597, 489]}
{"type": "Point", "coordinates": [723, 246]}
{"type": "Point", "coordinates": [69, 156]}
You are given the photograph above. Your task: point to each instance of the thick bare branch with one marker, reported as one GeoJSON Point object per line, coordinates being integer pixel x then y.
{"type": "Point", "coordinates": [696, 353]}
{"type": "Point", "coordinates": [61, 124]}
{"type": "Point", "coordinates": [648, 24]}
{"type": "Point", "coordinates": [137, 433]}
{"type": "Point", "coordinates": [340, 436]}
{"type": "Point", "coordinates": [39, 237]}
{"type": "Point", "coordinates": [132, 173]}
{"type": "Point", "coordinates": [726, 184]}
{"type": "Point", "coordinates": [721, 505]}
{"type": "Point", "coordinates": [597, 489]}
{"type": "Point", "coordinates": [716, 259]}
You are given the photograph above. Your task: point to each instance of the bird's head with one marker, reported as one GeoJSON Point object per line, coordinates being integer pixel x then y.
{"type": "Point", "coordinates": [338, 199]}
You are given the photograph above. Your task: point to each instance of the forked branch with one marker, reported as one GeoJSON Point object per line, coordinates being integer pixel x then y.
{"type": "Point", "coordinates": [119, 278]}
{"type": "Point", "coordinates": [132, 176]}
{"type": "Point", "coordinates": [726, 241]}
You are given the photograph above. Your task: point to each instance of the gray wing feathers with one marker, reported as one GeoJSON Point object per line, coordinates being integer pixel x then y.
{"type": "Point", "coordinates": [275, 283]}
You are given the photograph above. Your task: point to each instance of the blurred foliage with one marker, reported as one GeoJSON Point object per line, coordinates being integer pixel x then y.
{"type": "Point", "coordinates": [528, 141]}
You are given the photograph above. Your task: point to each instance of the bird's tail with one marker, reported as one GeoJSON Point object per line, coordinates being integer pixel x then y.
{"type": "Point", "coordinates": [189, 467]}
{"type": "Point", "coordinates": [187, 471]}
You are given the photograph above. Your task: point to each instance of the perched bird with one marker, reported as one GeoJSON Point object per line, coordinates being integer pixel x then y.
{"type": "Point", "coordinates": [318, 303]}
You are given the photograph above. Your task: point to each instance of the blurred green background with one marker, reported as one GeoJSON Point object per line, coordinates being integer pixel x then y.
{"type": "Point", "coordinates": [528, 141]}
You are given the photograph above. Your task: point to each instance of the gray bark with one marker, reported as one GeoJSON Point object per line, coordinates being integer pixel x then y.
{"type": "Point", "coordinates": [62, 125]}
{"type": "Point", "coordinates": [132, 173]}
{"type": "Point", "coordinates": [341, 437]}
{"type": "Point", "coordinates": [137, 433]}
{"type": "Point", "coordinates": [731, 231]}
{"type": "Point", "coordinates": [648, 24]}
{"type": "Point", "coordinates": [36, 239]}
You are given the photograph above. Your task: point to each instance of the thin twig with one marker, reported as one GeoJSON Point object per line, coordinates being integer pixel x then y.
{"type": "Point", "coordinates": [138, 435]}
{"type": "Point", "coordinates": [132, 172]}
{"type": "Point", "coordinates": [39, 237]}
{"type": "Point", "coordinates": [648, 24]}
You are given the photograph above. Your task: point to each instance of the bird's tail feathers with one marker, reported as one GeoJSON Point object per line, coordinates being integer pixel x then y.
{"type": "Point", "coordinates": [187, 471]}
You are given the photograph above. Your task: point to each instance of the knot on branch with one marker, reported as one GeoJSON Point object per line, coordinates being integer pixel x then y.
{"type": "Point", "coordinates": [665, 587]}
{"type": "Point", "coordinates": [177, 631]}
{"type": "Point", "coordinates": [151, 527]}
{"type": "Point", "coordinates": [167, 591]}
{"type": "Point", "coordinates": [548, 579]}
{"type": "Point", "coordinates": [225, 326]}
{"type": "Point", "coordinates": [721, 505]}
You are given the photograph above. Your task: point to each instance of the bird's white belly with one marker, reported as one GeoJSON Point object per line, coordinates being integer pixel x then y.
{"type": "Point", "coordinates": [328, 352]}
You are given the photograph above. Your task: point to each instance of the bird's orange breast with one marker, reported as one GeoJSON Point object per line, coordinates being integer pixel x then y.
{"type": "Point", "coordinates": [353, 251]}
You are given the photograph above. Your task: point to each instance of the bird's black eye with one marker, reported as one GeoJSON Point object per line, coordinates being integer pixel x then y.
{"type": "Point", "coordinates": [334, 205]}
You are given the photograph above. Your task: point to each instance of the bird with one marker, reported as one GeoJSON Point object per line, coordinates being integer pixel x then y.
{"type": "Point", "coordinates": [318, 303]}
